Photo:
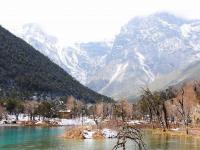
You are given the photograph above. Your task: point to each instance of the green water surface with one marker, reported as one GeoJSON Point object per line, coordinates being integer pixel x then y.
{"type": "Point", "coordinates": [38, 138]}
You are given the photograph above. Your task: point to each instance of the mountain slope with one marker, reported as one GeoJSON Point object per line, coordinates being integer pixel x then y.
{"type": "Point", "coordinates": [189, 73]}
{"type": "Point", "coordinates": [80, 60]}
{"type": "Point", "coordinates": [26, 73]}
{"type": "Point", "coordinates": [147, 50]}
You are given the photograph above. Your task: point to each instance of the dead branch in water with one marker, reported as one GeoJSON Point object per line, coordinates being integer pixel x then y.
{"type": "Point", "coordinates": [129, 133]}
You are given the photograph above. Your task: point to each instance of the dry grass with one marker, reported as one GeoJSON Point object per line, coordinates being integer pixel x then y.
{"type": "Point", "coordinates": [74, 133]}
{"type": "Point", "coordinates": [77, 132]}
{"type": "Point", "coordinates": [98, 135]}
{"type": "Point", "coordinates": [181, 133]}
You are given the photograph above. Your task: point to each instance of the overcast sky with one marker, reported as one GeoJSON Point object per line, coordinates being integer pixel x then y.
{"type": "Point", "coordinates": [87, 20]}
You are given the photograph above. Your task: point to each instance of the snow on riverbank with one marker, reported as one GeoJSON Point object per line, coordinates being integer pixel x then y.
{"type": "Point", "coordinates": [61, 122]}
{"type": "Point", "coordinates": [176, 129]}
{"type": "Point", "coordinates": [108, 133]}
{"type": "Point", "coordinates": [134, 122]}
{"type": "Point", "coordinates": [37, 119]}
{"type": "Point", "coordinates": [21, 117]}
{"type": "Point", "coordinates": [105, 133]}
{"type": "Point", "coordinates": [88, 134]}
{"type": "Point", "coordinates": [76, 121]}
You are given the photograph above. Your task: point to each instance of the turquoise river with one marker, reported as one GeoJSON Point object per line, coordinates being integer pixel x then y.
{"type": "Point", "coordinates": [37, 138]}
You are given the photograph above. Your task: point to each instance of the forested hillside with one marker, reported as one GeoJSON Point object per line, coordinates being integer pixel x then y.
{"type": "Point", "coordinates": [26, 73]}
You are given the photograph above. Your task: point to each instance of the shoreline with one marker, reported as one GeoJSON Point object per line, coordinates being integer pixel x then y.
{"type": "Point", "coordinates": [33, 125]}
{"type": "Point", "coordinates": [175, 133]}
{"type": "Point", "coordinates": [193, 132]}
{"type": "Point", "coordinates": [11, 125]}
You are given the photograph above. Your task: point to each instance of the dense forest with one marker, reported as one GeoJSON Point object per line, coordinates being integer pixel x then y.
{"type": "Point", "coordinates": [26, 73]}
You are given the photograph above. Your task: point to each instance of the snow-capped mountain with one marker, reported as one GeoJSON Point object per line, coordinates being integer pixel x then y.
{"type": "Point", "coordinates": [81, 60]}
{"type": "Point", "coordinates": [146, 49]}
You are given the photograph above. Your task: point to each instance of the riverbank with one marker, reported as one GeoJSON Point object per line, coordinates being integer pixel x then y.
{"type": "Point", "coordinates": [88, 132]}
{"type": "Point", "coordinates": [24, 120]}
{"type": "Point", "coordinates": [105, 129]}
{"type": "Point", "coordinates": [10, 125]}
{"type": "Point", "coordinates": [178, 132]}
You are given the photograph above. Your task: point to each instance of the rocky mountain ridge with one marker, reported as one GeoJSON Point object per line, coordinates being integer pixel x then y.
{"type": "Point", "coordinates": [146, 49]}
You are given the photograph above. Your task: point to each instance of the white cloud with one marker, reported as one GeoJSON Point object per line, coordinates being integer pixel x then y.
{"type": "Point", "coordinates": [87, 20]}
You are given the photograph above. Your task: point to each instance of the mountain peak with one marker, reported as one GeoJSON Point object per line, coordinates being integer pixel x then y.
{"type": "Point", "coordinates": [36, 31]}
{"type": "Point", "coordinates": [158, 17]}
{"type": "Point", "coordinates": [32, 27]}
{"type": "Point", "coordinates": [170, 18]}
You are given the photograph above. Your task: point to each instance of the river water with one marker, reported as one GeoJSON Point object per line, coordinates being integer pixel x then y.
{"type": "Point", "coordinates": [38, 138]}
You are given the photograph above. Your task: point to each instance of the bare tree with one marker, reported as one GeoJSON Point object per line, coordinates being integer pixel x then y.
{"type": "Point", "coordinates": [183, 110]}
{"type": "Point", "coordinates": [116, 111]}
{"type": "Point", "coordinates": [97, 113]}
{"type": "Point", "coordinates": [196, 87]}
{"type": "Point", "coordinates": [30, 109]}
{"type": "Point", "coordinates": [129, 133]}
{"type": "Point", "coordinates": [106, 111]}
{"type": "Point", "coordinates": [83, 112]}
{"type": "Point", "coordinates": [3, 113]}
{"type": "Point", "coordinates": [145, 108]}
{"type": "Point", "coordinates": [72, 106]}
{"type": "Point", "coordinates": [152, 102]}
{"type": "Point", "coordinates": [126, 110]}
{"type": "Point", "coordinates": [154, 105]}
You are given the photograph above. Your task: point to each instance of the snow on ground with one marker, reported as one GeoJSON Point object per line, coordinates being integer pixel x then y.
{"type": "Point", "coordinates": [62, 122]}
{"type": "Point", "coordinates": [12, 118]}
{"type": "Point", "coordinates": [67, 122]}
{"type": "Point", "coordinates": [108, 133]}
{"type": "Point", "coordinates": [39, 122]}
{"type": "Point", "coordinates": [176, 129]}
{"type": "Point", "coordinates": [21, 117]}
{"type": "Point", "coordinates": [77, 121]}
{"type": "Point", "coordinates": [88, 134]}
{"type": "Point", "coordinates": [2, 122]}
{"type": "Point", "coordinates": [133, 122]}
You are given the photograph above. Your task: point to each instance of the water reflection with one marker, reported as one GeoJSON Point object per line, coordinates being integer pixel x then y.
{"type": "Point", "coordinates": [168, 142]}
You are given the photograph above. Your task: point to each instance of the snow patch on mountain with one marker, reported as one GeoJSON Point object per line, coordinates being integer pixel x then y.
{"type": "Point", "coordinates": [185, 30]}
{"type": "Point", "coordinates": [118, 75]}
